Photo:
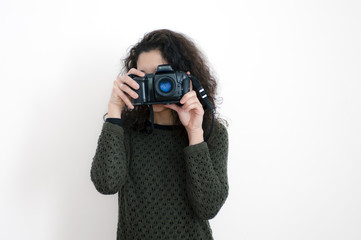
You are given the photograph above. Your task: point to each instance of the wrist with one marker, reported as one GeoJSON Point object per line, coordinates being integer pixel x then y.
{"type": "Point", "coordinates": [114, 111]}
{"type": "Point", "coordinates": [195, 136]}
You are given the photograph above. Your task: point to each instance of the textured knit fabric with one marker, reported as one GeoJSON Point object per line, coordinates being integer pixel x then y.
{"type": "Point", "coordinates": [166, 189]}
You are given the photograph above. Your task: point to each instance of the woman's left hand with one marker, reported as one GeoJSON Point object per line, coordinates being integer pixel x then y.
{"type": "Point", "coordinates": [191, 116]}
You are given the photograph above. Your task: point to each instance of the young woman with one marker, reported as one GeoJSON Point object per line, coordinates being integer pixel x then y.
{"type": "Point", "coordinates": [170, 182]}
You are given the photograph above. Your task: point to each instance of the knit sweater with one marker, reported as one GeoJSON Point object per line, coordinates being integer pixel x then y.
{"type": "Point", "coordinates": [166, 189]}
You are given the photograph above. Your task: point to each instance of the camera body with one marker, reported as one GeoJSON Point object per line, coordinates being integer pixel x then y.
{"type": "Point", "coordinates": [165, 86]}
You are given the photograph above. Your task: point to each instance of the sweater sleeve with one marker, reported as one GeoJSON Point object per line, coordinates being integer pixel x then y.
{"type": "Point", "coordinates": [207, 182]}
{"type": "Point", "coordinates": [109, 166]}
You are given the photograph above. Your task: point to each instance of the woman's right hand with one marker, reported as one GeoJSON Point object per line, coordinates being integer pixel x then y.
{"type": "Point", "coordinates": [122, 93]}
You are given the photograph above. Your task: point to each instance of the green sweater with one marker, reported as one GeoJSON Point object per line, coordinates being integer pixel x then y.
{"type": "Point", "coordinates": [166, 189]}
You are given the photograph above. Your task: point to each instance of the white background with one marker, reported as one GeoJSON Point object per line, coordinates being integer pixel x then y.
{"type": "Point", "coordinates": [289, 74]}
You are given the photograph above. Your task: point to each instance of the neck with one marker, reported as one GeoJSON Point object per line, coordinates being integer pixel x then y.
{"type": "Point", "coordinates": [164, 117]}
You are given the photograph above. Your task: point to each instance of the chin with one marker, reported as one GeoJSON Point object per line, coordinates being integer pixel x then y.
{"type": "Point", "coordinates": [159, 108]}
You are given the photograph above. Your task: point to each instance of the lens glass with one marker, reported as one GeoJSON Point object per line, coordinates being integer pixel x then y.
{"type": "Point", "coordinates": [165, 85]}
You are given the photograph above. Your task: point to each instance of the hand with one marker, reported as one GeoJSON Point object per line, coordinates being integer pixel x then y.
{"type": "Point", "coordinates": [191, 116]}
{"type": "Point", "coordinates": [122, 93]}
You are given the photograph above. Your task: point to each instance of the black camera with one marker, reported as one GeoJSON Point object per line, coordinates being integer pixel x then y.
{"type": "Point", "coordinates": [165, 86]}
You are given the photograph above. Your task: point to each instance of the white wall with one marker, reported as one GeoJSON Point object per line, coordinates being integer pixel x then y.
{"type": "Point", "coordinates": [289, 74]}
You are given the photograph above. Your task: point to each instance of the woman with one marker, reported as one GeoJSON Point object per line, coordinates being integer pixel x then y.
{"type": "Point", "coordinates": [170, 181]}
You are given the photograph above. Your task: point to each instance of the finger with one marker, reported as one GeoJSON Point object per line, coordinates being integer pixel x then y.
{"type": "Point", "coordinates": [125, 99]}
{"type": "Point", "coordinates": [194, 106]}
{"type": "Point", "coordinates": [190, 102]}
{"type": "Point", "coordinates": [129, 81]}
{"type": "Point", "coordinates": [172, 106]}
{"type": "Point", "coordinates": [187, 96]}
{"type": "Point", "coordinates": [128, 90]}
{"type": "Point", "coordinates": [136, 72]}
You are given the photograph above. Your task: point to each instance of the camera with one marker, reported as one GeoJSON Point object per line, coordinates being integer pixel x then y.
{"type": "Point", "coordinates": [165, 86]}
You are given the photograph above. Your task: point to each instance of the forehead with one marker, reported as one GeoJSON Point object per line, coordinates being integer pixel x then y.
{"type": "Point", "coordinates": [148, 61]}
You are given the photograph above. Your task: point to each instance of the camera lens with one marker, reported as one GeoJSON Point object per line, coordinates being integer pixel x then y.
{"type": "Point", "coordinates": [165, 85]}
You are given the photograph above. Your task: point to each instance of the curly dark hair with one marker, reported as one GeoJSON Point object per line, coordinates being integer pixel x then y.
{"type": "Point", "coordinates": [183, 55]}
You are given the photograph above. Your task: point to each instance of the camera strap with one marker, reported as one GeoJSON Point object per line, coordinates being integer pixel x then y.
{"type": "Point", "coordinates": [150, 130]}
{"type": "Point", "coordinates": [203, 94]}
